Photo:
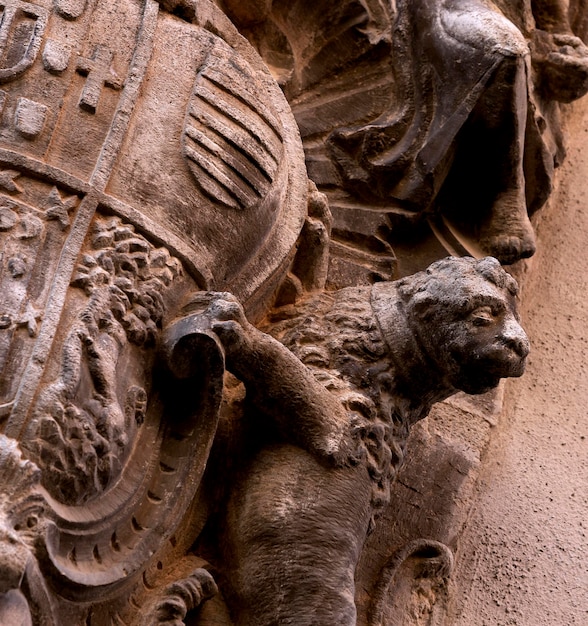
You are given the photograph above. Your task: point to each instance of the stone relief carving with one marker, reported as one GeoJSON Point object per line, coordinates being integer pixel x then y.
{"type": "Point", "coordinates": [94, 266]}
{"type": "Point", "coordinates": [24, 598]}
{"type": "Point", "coordinates": [80, 429]}
{"type": "Point", "coordinates": [181, 460]}
{"type": "Point", "coordinates": [431, 563]}
{"type": "Point", "coordinates": [394, 101]}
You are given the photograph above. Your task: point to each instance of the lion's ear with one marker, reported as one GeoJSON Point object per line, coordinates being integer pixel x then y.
{"type": "Point", "coordinates": [422, 305]}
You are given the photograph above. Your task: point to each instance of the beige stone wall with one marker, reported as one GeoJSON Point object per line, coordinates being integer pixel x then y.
{"type": "Point", "coordinates": [522, 557]}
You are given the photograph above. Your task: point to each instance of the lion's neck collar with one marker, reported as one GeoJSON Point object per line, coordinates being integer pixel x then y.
{"type": "Point", "coordinates": [417, 383]}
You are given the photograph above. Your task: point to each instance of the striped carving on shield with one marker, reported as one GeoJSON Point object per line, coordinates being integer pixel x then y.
{"type": "Point", "coordinates": [232, 139]}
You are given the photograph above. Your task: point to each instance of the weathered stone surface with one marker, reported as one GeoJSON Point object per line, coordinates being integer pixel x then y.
{"type": "Point", "coordinates": [318, 453]}
{"type": "Point", "coordinates": [212, 428]}
{"type": "Point", "coordinates": [110, 113]}
{"type": "Point", "coordinates": [443, 109]}
{"type": "Point", "coordinates": [528, 521]}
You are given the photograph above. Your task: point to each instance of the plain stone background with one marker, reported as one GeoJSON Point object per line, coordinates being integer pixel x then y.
{"type": "Point", "coordinates": [523, 556]}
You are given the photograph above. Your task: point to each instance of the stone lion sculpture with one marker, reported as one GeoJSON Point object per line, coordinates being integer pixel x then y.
{"type": "Point", "coordinates": [330, 401]}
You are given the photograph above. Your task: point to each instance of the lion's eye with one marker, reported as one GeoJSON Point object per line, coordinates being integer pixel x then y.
{"type": "Point", "coordinates": [483, 316]}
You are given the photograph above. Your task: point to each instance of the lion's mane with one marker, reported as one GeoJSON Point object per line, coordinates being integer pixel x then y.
{"type": "Point", "coordinates": [337, 336]}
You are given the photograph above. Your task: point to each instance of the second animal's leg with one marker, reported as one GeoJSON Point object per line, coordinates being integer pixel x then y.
{"type": "Point", "coordinates": [484, 194]}
{"type": "Point", "coordinates": [506, 232]}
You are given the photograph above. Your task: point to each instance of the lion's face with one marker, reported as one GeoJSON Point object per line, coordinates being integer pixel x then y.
{"type": "Point", "coordinates": [478, 340]}
{"type": "Point", "coordinates": [462, 314]}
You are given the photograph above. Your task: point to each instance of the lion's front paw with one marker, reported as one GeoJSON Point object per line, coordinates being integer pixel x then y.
{"type": "Point", "coordinates": [233, 337]}
{"type": "Point", "coordinates": [225, 307]}
{"type": "Point", "coordinates": [229, 322]}
{"type": "Point", "coordinates": [219, 311]}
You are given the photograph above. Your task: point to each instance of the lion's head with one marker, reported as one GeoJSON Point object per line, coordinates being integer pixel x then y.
{"type": "Point", "coordinates": [463, 315]}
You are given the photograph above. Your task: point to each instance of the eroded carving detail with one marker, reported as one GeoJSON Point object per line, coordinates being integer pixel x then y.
{"type": "Point", "coordinates": [56, 56]}
{"type": "Point", "coordinates": [29, 117]}
{"type": "Point", "coordinates": [70, 9]}
{"type": "Point", "coordinates": [82, 423]}
{"type": "Point", "coordinates": [32, 219]}
{"type": "Point", "coordinates": [321, 400]}
{"type": "Point", "coordinates": [182, 596]}
{"type": "Point", "coordinates": [21, 33]}
{"type": "Point", "coordinates": [395, 99]}
{"type": "Point", "coordinates": [22, 525]}
{"type": "Point", "coordinates": [430, 563]}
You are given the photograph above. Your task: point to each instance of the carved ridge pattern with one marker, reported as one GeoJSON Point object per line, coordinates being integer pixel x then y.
{"type": "Point", "coordinates": [232, 141]}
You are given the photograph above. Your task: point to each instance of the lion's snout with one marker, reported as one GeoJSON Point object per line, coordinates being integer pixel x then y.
{"type": "Point", "coordinates": [507, 356]}
{"type": "Point", "coordinates": [515, 338]}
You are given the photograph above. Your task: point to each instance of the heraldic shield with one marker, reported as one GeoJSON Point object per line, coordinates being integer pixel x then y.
{"type": "Point", "coordinates": [143, 156]}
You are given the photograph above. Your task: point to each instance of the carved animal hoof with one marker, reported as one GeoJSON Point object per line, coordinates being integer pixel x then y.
{"type": "Point", "coordinates": [509, 248]}
{"type": "Point", "coordinates": [508, 235]}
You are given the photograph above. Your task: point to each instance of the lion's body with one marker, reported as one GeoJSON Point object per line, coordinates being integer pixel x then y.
{"type": "Point", "coordinates": [382, 356]}
{"type": "Point", "coordinates": [337, 336]}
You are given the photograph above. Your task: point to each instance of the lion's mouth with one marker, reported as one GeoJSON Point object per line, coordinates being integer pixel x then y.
{"type": "Point", "coordinates": [503, 364]}
{"type": "Point", "coordinates": [484, 373]}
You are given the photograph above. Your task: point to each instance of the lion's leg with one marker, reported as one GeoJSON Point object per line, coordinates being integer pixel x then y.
{"type": "Point", "coordinates": [294, 534]}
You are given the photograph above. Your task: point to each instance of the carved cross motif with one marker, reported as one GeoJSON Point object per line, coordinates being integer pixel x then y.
{"type": "Point", "coordinates": [99, 74]}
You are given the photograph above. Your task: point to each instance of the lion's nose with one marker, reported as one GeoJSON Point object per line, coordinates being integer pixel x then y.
{"type": "Point", "coordinates": [515, 338]}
